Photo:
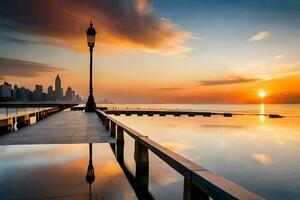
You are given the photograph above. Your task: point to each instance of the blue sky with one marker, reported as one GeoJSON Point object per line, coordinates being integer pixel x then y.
{"type": "Point", "coordinates": [159, 44]}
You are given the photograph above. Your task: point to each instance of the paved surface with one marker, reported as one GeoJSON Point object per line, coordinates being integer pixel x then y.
{"type": "Point", "coordinates": [66, 127]}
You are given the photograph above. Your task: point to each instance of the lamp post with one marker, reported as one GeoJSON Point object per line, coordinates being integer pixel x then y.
{"type": "Point", "coordinates": [91, 34]}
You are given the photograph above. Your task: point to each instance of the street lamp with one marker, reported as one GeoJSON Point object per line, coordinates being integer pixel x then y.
{"type": "Point", "coordinates": [91, 34]}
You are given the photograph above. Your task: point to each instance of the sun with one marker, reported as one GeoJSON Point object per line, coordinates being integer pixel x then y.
{"type": "Point", "coordinates": [262, 94]}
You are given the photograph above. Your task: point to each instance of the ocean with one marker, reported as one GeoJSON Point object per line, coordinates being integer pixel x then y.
{"type": "Point", "coordinates": [255, 151]}
{"type": "Point", "coordinates": [252, 150]}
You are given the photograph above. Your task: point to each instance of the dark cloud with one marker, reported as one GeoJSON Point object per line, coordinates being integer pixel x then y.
{"type": "Point", "coordinates": [122, 23]}
{"type": "Point", "coordinates": [30, 42]}
{"type": "Point", "coordinates": [23, 68]}
{"type": "Point", "coordinates": [168, 89]}
{"type": "Point", "coordinates": [227, 81]}
{"type": "Point", "coordinates": [17, 40]}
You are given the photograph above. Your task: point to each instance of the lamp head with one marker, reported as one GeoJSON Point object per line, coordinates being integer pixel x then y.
{"type": "Point", "coordinates": [91, 35]}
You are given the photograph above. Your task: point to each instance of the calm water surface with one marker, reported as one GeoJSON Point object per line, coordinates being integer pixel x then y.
{"type": "Point", "coordinates": [257, 152]}
{"type": "Point", "coordinates": [59, 171]}
{"type": "Point", "coordinates": [282, 109]}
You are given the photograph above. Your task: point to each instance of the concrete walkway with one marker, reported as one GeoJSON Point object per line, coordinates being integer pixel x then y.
{"type": "Point", "coordinates": [66, 127]}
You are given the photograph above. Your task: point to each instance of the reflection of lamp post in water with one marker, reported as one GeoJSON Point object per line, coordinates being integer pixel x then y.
{"type": "Point", "coordinates": [90, 174]}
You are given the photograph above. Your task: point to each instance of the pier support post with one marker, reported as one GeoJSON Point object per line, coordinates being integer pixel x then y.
{"type": "Point", "coordinates": [106, 123]}
{"type": "Point", "coordinates": [6, 125]}
{"type": "Point", "coordinates": [120, 135]}
{"type": "Point", "coordinates": [192, 192]}
{"type": "Point", "coordinates": [141, 158]}
{"type": "Point", "coordinates": [140, 153]}
{"type": "Point", "coordinates": [102, 118]}
{"type": "Point", "coordinates": [112, 129]}
{"type": "Point", "coordinates": [119, 151]}
{"type": "Point", "coordinates": [37, 117]}
{"type": "Point", "coordinates": [23, 121]}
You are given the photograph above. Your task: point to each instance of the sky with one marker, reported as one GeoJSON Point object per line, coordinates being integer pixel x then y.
{"type": "Point", "coordinates": [159, 51]}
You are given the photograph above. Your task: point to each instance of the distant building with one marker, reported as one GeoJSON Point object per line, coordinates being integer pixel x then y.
{"type": "Point", "coordinates": [58, 89]}
{"type": "Point", "coordinates": [73, 96]}
{"type": "Point", "coordinates": [5, 92]}
{"type": "Point", "coordinates": [44, 96]}
{"type": "Point", "coordinates": [38, 93]}
{"type": "Point", "coordinates": [28, 94]}
{"type": "Point", "coordinates": [105, 101]}
{"type": "Point", "coordinates": [51, 94]}
{"type": "Point", "coordinates": [69, 94]}
{"type": "Point", "coordinates": [25, 94]}
{"type": "Point", "coordinates": [78, 99]}
{"type": "Point", "coordinates": [62, 93]}
{"type": "Point", "coordinates": [14, 96]}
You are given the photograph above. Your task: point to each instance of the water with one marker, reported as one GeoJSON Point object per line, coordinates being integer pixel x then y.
{"type": "Point", "coordinates": [257, 152]}
{"type": "Point", "coordinates": [292, 110]}
{"type": "Point", "coordinates": [59, 172]}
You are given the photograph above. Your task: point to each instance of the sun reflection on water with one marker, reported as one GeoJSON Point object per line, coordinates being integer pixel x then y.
{"type": "Point", "coordinates": [262, 113]}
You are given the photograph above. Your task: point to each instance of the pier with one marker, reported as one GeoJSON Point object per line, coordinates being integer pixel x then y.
{"type": "Point", "coordinates": [14, 122]}
{"type": "Point", "coordinates": [73, 126]}
{"type": "Point", "coordinates": [172, 112]}
{"type": "Point", "coordinates": [66, 127]}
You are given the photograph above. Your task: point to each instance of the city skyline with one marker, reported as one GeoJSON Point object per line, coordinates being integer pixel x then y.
{"type": "Point", "coordinates": [237, 48]}
{"type": "Point", "coordinates": [10, 92]}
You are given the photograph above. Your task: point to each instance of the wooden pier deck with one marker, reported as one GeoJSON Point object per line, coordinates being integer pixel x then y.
{"type": "Point", "coordinates": [66, 127]}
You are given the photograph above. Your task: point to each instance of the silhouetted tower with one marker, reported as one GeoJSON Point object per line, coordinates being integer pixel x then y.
{"type": "Point", "coordinates": [58, 90]}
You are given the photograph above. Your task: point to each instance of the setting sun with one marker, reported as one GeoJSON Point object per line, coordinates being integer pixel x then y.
{"type": "Point", "coordinates": [262, 94]}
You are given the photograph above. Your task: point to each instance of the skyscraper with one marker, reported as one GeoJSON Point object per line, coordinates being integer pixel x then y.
{"type": "Point", "coordinates": [50, 93]}
{"type": "Point", "coordinates": [69, 94]}
{"type": "Point", "coordinates": [5, 91]}
{"type": "Point", "coordinates": [38, 93]}
{"type": "Point", "coordinates": [58, 89]}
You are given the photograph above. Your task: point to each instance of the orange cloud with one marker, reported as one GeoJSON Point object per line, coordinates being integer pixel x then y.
{"type": "Point", "coordinates": [228, 81]}
{"type": "Point", "coordinates": [121, 25]}
{"type": "Point", "coordinates": [279, 90]}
